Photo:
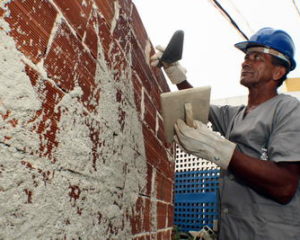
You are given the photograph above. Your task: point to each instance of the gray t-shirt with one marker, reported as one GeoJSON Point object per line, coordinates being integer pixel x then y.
{"type": "Point", "coordinates": [270, 132]}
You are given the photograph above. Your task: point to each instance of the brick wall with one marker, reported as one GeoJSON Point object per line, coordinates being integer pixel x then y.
{"type": "Point", "coordinates": [82, 151]}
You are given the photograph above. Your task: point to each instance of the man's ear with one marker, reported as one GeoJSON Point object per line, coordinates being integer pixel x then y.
{"type": "Point", "coordinates": [279, 72]}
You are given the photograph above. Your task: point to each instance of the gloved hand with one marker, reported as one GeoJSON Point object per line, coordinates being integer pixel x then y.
{"type": "Point", "coordinates": [175, 72]}
{"type": "Point", "coordinates": [206, 233]}
{"type": "Point", "coordinates": [204, 143]}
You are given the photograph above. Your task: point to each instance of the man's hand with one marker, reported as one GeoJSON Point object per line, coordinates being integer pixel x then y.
{"type": "Point", "coordinates": [175, 72]}
{"type": "Point", "coordinates": [204, 143]}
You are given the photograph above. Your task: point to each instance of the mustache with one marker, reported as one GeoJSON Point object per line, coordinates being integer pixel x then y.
{"type": "Point", "coordinates": [246, 69]}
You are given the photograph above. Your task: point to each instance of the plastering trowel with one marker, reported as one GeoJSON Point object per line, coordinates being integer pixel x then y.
{"type": "Point", "coordinates": [173, 51]}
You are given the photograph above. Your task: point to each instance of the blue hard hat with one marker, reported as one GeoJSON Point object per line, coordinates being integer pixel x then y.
{"type": "Point", "coordinates": [275, 39]}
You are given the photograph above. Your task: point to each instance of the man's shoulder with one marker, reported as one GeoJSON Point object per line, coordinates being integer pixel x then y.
{"type": "Point", "coordinates": [288, 97]}
{"type": "Point", "coordinates": [286, 105]}
{"type": "Point", "coordinates": [228, 108]}
{"type": "Point", "coordinates": [286, 100]}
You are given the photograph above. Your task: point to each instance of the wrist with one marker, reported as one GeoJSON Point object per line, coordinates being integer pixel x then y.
{"type": "Point", "coordinates": [176, 73]}
{"type": "Point", "coordinates": [184, 85]}
{"type": "Point", "coordinates": [224, 154]}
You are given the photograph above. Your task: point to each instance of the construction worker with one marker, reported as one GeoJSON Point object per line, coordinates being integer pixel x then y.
{"type": "Point", "coordinates": [260, 148]}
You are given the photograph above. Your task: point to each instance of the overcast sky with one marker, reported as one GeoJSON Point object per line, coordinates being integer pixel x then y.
{"type": "Point", "coordinates": [208, 53]}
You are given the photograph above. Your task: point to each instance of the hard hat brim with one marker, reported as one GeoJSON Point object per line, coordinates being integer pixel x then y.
{"type": "Point", "coordinates": [246, 44]}
{"type": "Point", "coordinates": [243, 46]}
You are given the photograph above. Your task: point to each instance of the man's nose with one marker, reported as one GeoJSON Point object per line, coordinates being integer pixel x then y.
{"type": "Point", "coordinates": [246, 63]}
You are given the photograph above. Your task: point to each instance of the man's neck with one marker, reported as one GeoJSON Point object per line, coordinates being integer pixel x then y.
{"type": "Point", "coordinates": [255, 98]}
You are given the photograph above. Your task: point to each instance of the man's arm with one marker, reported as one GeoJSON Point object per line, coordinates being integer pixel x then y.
{"type": "Point", "coordinates": [175, 72]}
{"type": "Point", "coordinates": [279, 181]}
{"type": "Point", "coordinates": [184, 85]}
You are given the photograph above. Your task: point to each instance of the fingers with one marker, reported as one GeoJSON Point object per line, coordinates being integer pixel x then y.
{"type": "Point", "coordinates": [160, 48]}
{"type": "Point", "coordinates": [180, 126]}
{"type": "Point", "coordinates": [158, 54]}
{"type": "Point", "coordinates": [154, 63]}
{"type": "Point", "coordinates": [154, 59]}
{"type": "Point", "coordinates": [180, 144]}
{"type": "Point", "coordinates": [182, 130]}
{"type": "Point", "coordinates": [176, 139]}
{"type": "Point", "coordinates": [178, 129]}
{"type": "Point", "coordinates": [199, 124]}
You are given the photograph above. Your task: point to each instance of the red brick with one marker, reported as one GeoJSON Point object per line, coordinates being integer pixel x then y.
{"type": "Point", "coordinates": [91, 93]}
{"type": "Point", "coordinates": [91, 37]}
{"type": "Point", "coordinates": [152, 77]}
{"type": "Point", "coordinates": [141, 68]}
{"type": "Point", "coordinates": [144, 237]}
{"type": "Point", "coordinates": [122, 33]}
{"type": "Point", "coordinates": [138, 28]}
{"type": "Point", "coordinates": [105, 36]}
{"type": "Point", "coordinates": [31, 22]}
{"type": "Point", "coordinates": [149, 112]}
{"type": "Point", "coordinates": [147, 215]}
{"type": "Point", "coordinates": [151, 154]}
{"type": "Point", "coordinates": [164, 235]}
{"type": "Point", "coordinates": [33, 75]}
{"type": "Point", "coordinates": [164, 187]}
{"type": "Point", "coordinates": [155, 94]}
{"type": "Point", "coordinates": [67, 58]}
{"type": "Point", "coordinates": [156, 145]}
{"type": "Point", "coordinates": [160, 78]}
{"type": "Point", "coordinates": [166, 167]}
{"type": "Point", "coordinates": [106, 8]}
{"type": "Point", "coordinates": [137, 86]}
{"type": "Point", "coordinates": [47, 126]}
{"type": "Point", "coordinates": [136, 223]}
{"type": "Point", "coordinates": [148, 188]}
{"type": "Point", "coordinates": [76, 12]}
{"type": "Point", "coordinates": [140, 221]}
{"type": "Point", "coordinates": [156, 153]}
{"type": "Point", "coordinates": [86, 80]}
{"type": "Point", "coordinates": [170, 215]}
{"type": "Point", "coordinates": [161, 133]}
{"type": "Point", "coordinates": [118, 62]}
{"type": "Point", "coordinates": [126, 6]}
{"type": "Point", "coordinates": [85, 59]}
{"type": "Point", "coordinates": [162, 215]}
{"type": "Point", "coordinates": [1, 12]}
{"type": "Point", "coordinates": [61, 60]}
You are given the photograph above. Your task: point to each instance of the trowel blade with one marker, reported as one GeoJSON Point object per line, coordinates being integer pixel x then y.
{"type": "Point", "coordinates": [173, 51]}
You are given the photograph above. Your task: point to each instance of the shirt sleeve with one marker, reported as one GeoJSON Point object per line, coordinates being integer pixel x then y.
{"type": "Point", "coordinates": [284, 142]}
{"type": "Point", "coordinates": [220, 117]}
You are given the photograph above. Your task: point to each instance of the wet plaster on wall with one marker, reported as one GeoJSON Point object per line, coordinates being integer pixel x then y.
{"type": "Point", "coordinates": [18, 101]}
{"type": "Point", "coordinates": [74, 197]}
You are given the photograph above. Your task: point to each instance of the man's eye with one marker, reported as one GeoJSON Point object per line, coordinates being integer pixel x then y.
{"type": "Point", "coordinates": [257, 57]}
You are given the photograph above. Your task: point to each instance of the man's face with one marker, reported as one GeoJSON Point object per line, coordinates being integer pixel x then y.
{"type": "Point", "coordinates": [257, 69]}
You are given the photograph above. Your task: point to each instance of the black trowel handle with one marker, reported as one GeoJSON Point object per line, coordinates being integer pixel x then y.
{"type": "Point", "coordinates": [173, 51]}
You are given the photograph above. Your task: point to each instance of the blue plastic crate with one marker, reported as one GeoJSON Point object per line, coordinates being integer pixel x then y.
{"type": "Point", "coordinates": [196, 201]}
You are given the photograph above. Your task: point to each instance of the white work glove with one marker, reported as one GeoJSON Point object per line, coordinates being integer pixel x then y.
{"type": "Point", "coordinates": [204, 143]}
{"type": "Point", "coordinates": [175, 72]}
{"type": "Point", "coordinates": [206, 233]}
